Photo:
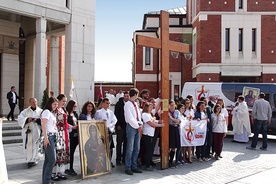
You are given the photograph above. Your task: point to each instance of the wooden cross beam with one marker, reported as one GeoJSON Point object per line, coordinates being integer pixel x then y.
{"type": "Point", "coordinates": [165, 45]}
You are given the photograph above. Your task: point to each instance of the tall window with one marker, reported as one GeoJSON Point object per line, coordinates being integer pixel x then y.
{"type": "Point", "coordinates": [240, 4]}
{"type": "Point", "coordinates": [254, 40]}
{"type": "Point", "coordinates": [240, 39]}
{"type": "Point", "coordinates": [227, 39]}
{"type": "Point", "coordinates": [176, 92]}
{"type": "Point", "coordinates": [68, 4]}
{"type": "Point", "coordinates": [147, 56]}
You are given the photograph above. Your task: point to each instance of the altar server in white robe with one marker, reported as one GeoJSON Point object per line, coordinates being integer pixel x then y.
{"type": "Point", "coordinates": [106, 114]}
{"type": "Point", "coordinates": [112, 100]}
{"type": "Point", "coordinates": [240, 121]}
{"type": "Point", "coordinates": [29, 120]}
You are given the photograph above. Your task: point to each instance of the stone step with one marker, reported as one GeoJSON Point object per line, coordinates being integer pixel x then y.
{"type": "Point", "coordinates": [12, 139]}
{"type": "Point", "coordinates": [10, 125]}
{"type": "Point", "coordinates": [11, 132]}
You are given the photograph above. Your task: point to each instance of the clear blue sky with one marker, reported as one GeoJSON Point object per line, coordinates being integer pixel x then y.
{"type": "Point", "coordinates": [115, 23]}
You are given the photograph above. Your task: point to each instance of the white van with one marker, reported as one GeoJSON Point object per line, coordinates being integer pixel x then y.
{"type": "Point", "coordinates": [229, 93]}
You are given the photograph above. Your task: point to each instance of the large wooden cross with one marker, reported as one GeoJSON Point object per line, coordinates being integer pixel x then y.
{"type": "Point", "coordinates": [165, 45]}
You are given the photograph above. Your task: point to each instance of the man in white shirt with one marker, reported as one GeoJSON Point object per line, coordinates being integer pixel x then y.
{"type": "Point", "coordinates": [12, 100]}
{"type": "Point", "coordinates": [106, 114]}
{"type": "Point", "coordinates": [133, 129]}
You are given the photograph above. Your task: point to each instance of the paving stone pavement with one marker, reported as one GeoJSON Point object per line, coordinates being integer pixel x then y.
{"type": "Point", "coordinates": [238, 166]}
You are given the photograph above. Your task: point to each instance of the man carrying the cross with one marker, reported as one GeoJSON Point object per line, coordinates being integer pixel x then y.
{"type": "Point", "coordinates": [29, 120]}
{"type": "Point", "coordinates": [133, 128]}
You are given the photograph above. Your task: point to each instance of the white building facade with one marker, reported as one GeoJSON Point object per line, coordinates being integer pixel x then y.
{"type": "Point", "coordinates": [25, 28]}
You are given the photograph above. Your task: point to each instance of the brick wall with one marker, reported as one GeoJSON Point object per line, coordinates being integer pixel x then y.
{"type": "Point", "coordinates": [215, 5]}
{"type": "Point", "coordinates": [187, 72]}
{"type": "Point", "coordinates": [261, 6]}
{"type": "Point", "coordinates": [139, 61]}
{"type": "Point", "coordinates": [268, 38]}
{"type": "Point", "coordinates": [209, 40]}
{"type": "Point", "coordinates": [269, 78]}
{"type": "Point", "coordinates": [204, 77]}
{"type": "Point", "coordinates": [151, 86]}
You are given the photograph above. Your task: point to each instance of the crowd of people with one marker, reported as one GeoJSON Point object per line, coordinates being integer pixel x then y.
{"type": "Point", "coordinates": [135, 119]}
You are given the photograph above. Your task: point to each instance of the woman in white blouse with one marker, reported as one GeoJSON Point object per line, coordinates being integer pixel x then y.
{"type": "Point", "coordinates": [224, 111]}
{"type": "Point", "coordinates": [149, 125]}
{"type": "Point", "coordinates": [219, 130]}
{"type": "Point", "coordinates": [49, 131]}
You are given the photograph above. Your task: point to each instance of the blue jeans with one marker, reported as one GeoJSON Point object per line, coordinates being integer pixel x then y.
{"type": "Point", "coordinates": [260, 125]}
{"type": "Point", "coordinates": [49, 161]}
{"type": "Point", "coordinates": [133, 147]}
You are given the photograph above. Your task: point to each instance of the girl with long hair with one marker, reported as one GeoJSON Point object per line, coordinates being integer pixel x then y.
{"type": "Point", "coordinates": [219, 130]}
{"type": "Point", "coordinates": [88, 111]}
{"type": "Point", "coordinates": [49, 131]}
{"type": "Point", "coordinates": [72, 119]}
{"type": "Point", "coordinates": [201, 114]}
{"type": "Point", "coordinates": [62, 147]}
{"type": "Point", "coordinates": [147, 141]}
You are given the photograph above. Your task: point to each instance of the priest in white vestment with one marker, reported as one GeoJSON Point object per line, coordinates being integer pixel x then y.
{"type": "Point", "coordinates": [241, 122]}
{"type": "Point", "coordinates": [29, 120]}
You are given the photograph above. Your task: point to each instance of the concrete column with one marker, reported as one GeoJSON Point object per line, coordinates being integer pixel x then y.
{"type": "Point", "coordinates": [54, 66]}
{"type": "Point", "coordinates": [40, 58]}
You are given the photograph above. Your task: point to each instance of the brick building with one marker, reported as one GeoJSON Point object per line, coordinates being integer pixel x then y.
{"type": "Point", "coordinates": [231, 41]}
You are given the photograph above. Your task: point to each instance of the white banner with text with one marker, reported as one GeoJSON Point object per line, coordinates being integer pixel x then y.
{"type": "Point", "coordinates": [193, 132]}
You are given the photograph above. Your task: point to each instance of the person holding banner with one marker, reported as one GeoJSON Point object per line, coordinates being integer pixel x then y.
{"type": "Point", "coordinates": [191, 98]}
{"type": "Point", "coordinates": [201, 114]}
{"type": "Point", "coordinates": [189, 114]}
{"type": "Point", "coordinates": [209, 111]}
{"type": "Point", "coordinates": [174, 135]}
{"type": "Point", "coordinates": [219, 130]}
{"type": "Point", "coordinates": [182, 152]}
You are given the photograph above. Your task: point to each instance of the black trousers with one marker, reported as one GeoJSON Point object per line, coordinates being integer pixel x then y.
{"type": "Point", "coordinates": [74, 141]}
{"type": "Point", "coordinates": [147, 152]}
{"type": "Point", "coordinates": [11, 113]}
{"type": "Point", "coordinates": [121, 141]}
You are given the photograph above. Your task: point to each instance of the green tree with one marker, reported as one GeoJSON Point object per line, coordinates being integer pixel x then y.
{"type": "Point", "coordinates": [44, 98]}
